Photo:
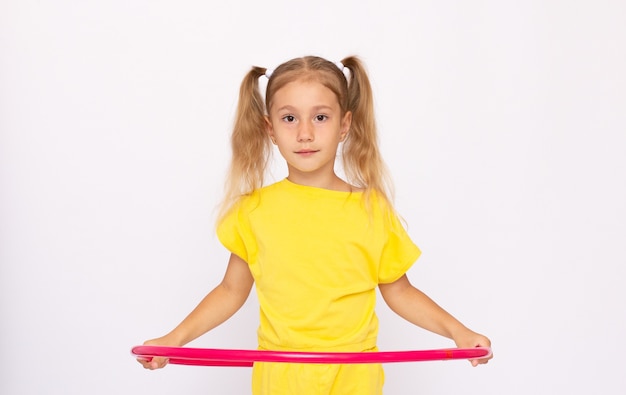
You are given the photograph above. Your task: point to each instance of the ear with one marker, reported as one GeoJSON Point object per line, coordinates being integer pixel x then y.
{"type": "Point", "coordinates": [346, 121]}
{"type": "Point", "coordinates": [269, 129]}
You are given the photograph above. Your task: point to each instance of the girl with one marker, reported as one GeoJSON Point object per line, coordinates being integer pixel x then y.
{"type": "Point", "coordinates": [315, 246]}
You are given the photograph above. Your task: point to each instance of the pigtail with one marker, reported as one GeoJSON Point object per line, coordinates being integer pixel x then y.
{"type": "Point", "coordinates": [362, 159]}
{"type": "Point", "coordinates": [249, 143]}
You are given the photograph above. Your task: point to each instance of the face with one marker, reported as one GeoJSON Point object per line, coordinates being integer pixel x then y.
{"type": "Point", "coordinates": [306, 124]}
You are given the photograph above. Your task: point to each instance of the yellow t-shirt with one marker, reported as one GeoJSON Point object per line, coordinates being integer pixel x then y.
{"type": "Point", "coordinates": [317, 256]}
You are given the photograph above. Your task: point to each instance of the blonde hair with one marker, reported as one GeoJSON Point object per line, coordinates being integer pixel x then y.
{"type": "Point", "coordinates": [250, 143]}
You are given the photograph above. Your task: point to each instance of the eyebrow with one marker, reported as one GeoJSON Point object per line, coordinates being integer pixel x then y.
{"type": "Point", "coordinates": [315, 108]}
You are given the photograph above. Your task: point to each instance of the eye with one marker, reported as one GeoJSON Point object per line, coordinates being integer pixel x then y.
{"type": "Point", "coordinates": [321, 117]}
{"type": "Point", "coordinates": [289, 118]}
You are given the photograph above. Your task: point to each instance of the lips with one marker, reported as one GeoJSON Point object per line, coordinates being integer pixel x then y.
{"type": "Point", "coordinates": [306, 152]}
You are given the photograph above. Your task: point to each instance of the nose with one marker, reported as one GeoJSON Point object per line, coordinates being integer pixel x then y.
{"type": "Point", "coordinates": [305, 132]}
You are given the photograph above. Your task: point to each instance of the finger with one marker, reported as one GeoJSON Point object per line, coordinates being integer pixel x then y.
{"type": "Point", "coordinates": [152, 363]}
{"type": "Point", "coordinates": [483, 361]}
{"type": "Point", "coordinates": [144, 361]}
{"type": "Point", "coordinates": [158, 363]}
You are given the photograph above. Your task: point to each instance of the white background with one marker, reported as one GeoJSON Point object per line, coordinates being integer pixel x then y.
{"type": "Point", "coordinates": [503, 123]}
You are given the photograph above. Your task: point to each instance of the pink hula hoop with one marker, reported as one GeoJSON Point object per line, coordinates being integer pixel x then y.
{"type": "Point", "coordinates": [245, 358]}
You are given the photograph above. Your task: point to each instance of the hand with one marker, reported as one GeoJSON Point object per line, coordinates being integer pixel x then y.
{"type": "Point", "coordinates": [157, 362]}
{"type": "Point", "coordinates": [470, 339]}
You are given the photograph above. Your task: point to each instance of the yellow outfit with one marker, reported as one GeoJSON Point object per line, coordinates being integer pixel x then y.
{"type": "Point", "coordinates": [317, 256]}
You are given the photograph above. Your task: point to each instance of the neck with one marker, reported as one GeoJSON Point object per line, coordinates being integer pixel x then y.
{"type": "Point", "coordinates": [331, 181]}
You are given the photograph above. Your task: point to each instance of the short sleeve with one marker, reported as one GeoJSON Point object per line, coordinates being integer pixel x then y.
{"type": "Point", "coordinates": [231, 232]}
{"type": "Point", "coordinates": [399, 252]}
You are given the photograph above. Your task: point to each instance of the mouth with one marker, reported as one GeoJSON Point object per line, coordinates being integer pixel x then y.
{"type": "Point", "coordinates": [306, 152]}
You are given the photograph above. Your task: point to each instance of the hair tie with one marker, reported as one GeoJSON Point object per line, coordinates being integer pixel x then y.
{"type": "Point", "coordinates": [339, 65]}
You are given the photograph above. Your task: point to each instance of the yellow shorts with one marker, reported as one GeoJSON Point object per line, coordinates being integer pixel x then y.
{"type": "Point", "coordinates": [317, 379]}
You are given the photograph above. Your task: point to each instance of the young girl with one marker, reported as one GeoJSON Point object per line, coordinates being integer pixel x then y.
{"type": "Point", "coordinates": [315, 246]}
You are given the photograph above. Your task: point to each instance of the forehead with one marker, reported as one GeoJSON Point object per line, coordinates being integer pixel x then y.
{"type": "Point", "coordinates": [304, 94]}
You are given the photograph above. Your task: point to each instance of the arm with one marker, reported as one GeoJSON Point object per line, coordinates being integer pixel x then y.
{"type": "Point", "coordinates": [416, 307]}
{"type": "Point", "coordinates": [218, 306]}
